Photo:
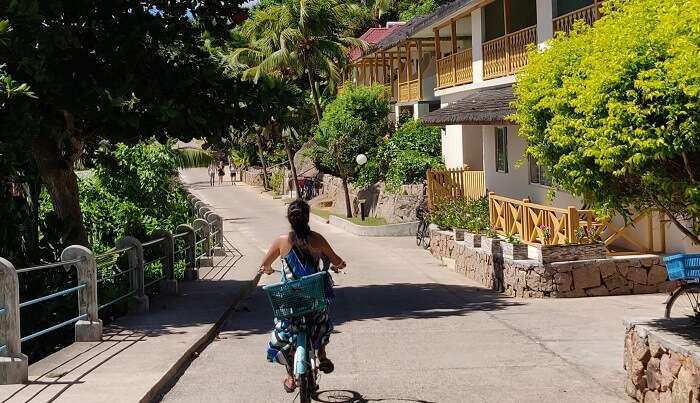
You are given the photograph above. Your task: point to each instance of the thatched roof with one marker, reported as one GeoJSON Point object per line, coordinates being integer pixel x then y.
{"type": "Point", "coordinates": [422, 22]}
{"type": "Point", "coordinates": [483, 106]}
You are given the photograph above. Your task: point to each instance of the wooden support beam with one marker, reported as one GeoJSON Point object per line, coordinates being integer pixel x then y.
{"type": "Point", "coordinates": [419, 50]}
{"type": "Point", "coordinates": [453, 36]}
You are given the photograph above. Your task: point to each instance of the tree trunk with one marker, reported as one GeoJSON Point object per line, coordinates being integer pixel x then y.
{"type": "Point", "coordinates": [292, 166]}
{"type": "Point", "coordinates": [55, 167]}
{"type": "Point", "coordinates": [262, 159]}
{"type": "Point", "coordinates": [348, 208]}
{"type": "Point", "coordinates": [314, 94]}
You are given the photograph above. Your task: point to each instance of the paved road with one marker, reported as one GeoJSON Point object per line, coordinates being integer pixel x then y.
{"type": "Point", "coordinates": [410, 331]}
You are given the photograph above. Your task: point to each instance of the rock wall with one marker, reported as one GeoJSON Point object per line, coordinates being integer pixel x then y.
{"type": "Point", "coordinates": [395, 207]}
{"type": "Point", "coordinates": [662, 363]}
{"type": "Point", "coordinates": [532, 279]}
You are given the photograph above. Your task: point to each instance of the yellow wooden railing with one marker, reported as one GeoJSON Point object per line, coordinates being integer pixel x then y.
{"type": "Point", "coordinates": [507, 54]}
{"type": "Point", "coordinates": [546, 225]}
{"type": "Point", "coordinates": [409, 91]}
{"type": "Point", "coordinates": [455, 183]}
{"type": "Point", "coordinates": [565, 23]}
{"type": "Point", "coordinates": [389, 91]}
{"type": "Point", "coordinates": [454, 69]}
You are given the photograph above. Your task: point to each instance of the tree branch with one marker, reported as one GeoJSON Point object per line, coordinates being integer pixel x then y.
{"type": "Point", "coordinates": [679, 225]}
{"type": "Point", "coordinates": [688, 169]}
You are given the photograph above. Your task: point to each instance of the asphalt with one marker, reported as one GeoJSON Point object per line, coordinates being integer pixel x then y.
{"type": "Point", "coordinates": [409, 330]}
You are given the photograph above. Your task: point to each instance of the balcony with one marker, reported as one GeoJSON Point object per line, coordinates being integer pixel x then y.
{"type": "Point", "coordinates": [565, 23]}
{"type": "Point", "coordinates": [409, 91]}
{"type": "Point", "coordinates": [455, 69]}
{"type": "Point", "coordinates": [507, 54]}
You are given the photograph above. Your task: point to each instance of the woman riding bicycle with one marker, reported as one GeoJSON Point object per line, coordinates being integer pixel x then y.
{"type": "Point", "coordinates": [302, 251]}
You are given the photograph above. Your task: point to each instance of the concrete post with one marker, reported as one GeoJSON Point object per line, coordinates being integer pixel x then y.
{"type": "Point", "coordinates": [139, 302]}
{"type": "Point", "coordinates": [202, 231]}
{"type": "Point", "coordinates": [477, 41]}
{"type": "Point", "coordinates": [545, 27]}
{"type": "Point", "coordinates": [90, 328]}
{"type": "Point", "coordinates": [14, 366]}
{"type": "Point", "coordinates": [190, 269]}
{"type": "Point", "coordinates": [215, 223]}
{"type": "Point", "coordinates": [168, 286]}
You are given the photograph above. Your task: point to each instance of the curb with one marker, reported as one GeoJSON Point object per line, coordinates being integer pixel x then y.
{"type": "Point", "coordinates": [170, 378]}
{"type": "Point", "coordinates": [389, 230]}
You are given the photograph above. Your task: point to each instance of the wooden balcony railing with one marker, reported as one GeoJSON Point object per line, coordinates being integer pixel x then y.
{"type": "Point", "coordinates": [389, 91]}
{"type": "Point", "coordinates": [507, 54]}
{"type": "Point", "coordinates": [565, 23]}
{"type": "Point", "coordinates": [546, 225]}
{"type": "Point", "coordinates": [409, 91]}
{"type": "Point", "coordinates": [535, 223]}
{"type": "Point", "coordinates": [454, 69]}
{"type": "Point", "coordinates": [455, 183]}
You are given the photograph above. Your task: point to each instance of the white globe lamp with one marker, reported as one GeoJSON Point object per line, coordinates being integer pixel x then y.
{"type": "Point", "coordinates": [361, 159]}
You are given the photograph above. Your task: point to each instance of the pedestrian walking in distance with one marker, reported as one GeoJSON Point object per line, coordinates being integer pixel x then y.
{"type": "Point", "coordinates": [212, 172]}
{"type": "Point", "coordinates": [221, 173]}
{"type": "Point", "coordinates": [232, 171]}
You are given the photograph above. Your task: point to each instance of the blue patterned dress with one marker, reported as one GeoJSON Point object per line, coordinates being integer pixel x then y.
{"type": "Point", "coordinates": [280, 348]}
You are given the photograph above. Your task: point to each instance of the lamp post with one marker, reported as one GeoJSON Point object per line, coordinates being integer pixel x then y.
{"type": "Point", "coordinates": [361, 160]}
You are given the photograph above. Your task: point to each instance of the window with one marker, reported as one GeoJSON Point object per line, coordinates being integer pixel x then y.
{"type": "Point", "coordinates": [538, 173]}
{"type": "Point", "coordinates": [501, 149]}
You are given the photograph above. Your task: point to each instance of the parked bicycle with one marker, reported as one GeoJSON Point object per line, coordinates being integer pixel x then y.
{"type": "Point", "coordinates": [423, 233]}
{"type": "Point", "coordinates": [684, 302]}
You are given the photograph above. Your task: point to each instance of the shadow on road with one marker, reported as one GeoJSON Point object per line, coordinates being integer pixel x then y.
{"type": "Point", "coordinates": [397, 301]}
{"type": "Point", "coordinates": [350, 396]}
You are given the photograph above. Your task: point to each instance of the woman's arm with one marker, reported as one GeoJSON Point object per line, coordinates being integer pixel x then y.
{"type": "Point", "coordinates": [272, 254]}
{"type": "Point", "coordinates": [326, 249]}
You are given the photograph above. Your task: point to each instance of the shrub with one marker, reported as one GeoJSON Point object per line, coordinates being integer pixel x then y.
{"type": "Point", "coordinates": [472, 215]}
{"type": "Point", "coordinates": [276, 180]}
{"type": "Point", "coordinates": [410, 167]}
{"type": "Point", "coordinates": [613, 111]}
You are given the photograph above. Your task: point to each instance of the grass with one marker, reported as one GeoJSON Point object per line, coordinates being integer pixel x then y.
{"type": "Point", "coordinates": [369, 221]}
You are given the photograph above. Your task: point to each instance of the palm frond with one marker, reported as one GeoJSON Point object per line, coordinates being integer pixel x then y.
{"type": "Point", "coordinates": [192, 157]}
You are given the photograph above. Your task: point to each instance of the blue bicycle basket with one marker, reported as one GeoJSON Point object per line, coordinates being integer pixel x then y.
{"type": "Point", "coordinates": [683, 266]}
{"type": "Point", "coordinates": [298, 297]}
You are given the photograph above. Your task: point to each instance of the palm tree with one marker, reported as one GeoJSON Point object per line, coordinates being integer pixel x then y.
{"type": "Point", "coordinates": [296, 37]}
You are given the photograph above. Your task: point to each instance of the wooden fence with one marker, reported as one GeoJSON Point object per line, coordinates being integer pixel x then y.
{"type": "Point", "coordinates": [455, 183]}
{"type": "Point", "coordinates": [538, 224]}
{"type": "Point", "coordinates": [507, 54]}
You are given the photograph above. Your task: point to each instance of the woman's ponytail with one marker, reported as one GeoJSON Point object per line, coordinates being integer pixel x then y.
{"type": "Point", "coordinates": [298, 216]}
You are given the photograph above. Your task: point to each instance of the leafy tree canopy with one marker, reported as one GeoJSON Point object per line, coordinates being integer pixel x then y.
{"type": "Point", "coordinates": [121, 71]}
{"type": "Point", "coordinates": [614, 111]}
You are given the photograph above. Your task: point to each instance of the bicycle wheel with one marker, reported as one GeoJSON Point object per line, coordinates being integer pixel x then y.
{"type": "Point", "coordinates": [305, 388]}
{"type": "Point", "coordinates": [426, 237]}
{"type": "Point", "coordinates": [684, 302]}
{"type": "Point", "coordinates": [420, 233]}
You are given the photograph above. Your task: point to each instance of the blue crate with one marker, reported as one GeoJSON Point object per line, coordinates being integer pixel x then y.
{"type": "Point", "coordinates": [683, 266]}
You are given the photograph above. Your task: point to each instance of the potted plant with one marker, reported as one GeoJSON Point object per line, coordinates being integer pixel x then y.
{"type": "Point", "coordinates": [513, 248]}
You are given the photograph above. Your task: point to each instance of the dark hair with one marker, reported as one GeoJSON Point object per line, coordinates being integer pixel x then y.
{"type": "Point", "coordinates": [298, 216]}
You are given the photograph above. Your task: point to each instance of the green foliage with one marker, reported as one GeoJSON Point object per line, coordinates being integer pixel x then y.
{"type": "Point", "coordinates": [148, 199]}
{"type": "Point", "coordinates": [354, 123]}
{"type": "Point", "coordinates": [410, 152]}
{"type": "Point", "coordinates": [471, 215]}
{"type": "Point", "coordinates": [417, 9]}
{"type": "Point", "coordinates": [410, 167]}
{"type": "Point", "coordinates": [192, 157]}
{"type": "Point", "coordinates": [614, 111]}
{"type": "Point", "coordinates": [276, 181]}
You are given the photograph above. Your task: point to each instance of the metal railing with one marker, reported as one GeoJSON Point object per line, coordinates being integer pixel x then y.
{"type": "Point", "coordinates": [124, 265]}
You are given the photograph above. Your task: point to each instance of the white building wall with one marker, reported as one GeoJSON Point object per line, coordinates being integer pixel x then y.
{"type": "Point", "coordinates": [462, 145]}
{"type": "Point", "coordinates": [452, 146]}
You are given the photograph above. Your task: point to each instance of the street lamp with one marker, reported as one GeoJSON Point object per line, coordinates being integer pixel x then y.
{"type": "Point", "coordinates": [361, 160]}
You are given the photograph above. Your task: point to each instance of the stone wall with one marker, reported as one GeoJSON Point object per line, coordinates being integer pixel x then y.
{"type": "Point", "coordinates": [661, 362]}
{"type": "Point", "coordinates": [532, 279]}
{"type": "Point", "coordinates": [395, 207]}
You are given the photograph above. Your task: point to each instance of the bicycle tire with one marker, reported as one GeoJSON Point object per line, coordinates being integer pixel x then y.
{"type": "Point", "coordinates": [420, 233]}
{"type": "Point", "coordinates": [305, 391]}
{"type": "Point", "coordinates": [691, 308]}
{"type": "Point", "coordinates": [426, 237]}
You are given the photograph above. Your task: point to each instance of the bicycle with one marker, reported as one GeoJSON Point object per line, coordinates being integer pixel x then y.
{"type": "Point", "coordinates": [685, 270]}
{"type": "Point", "coordinates": [422, 233]}
{"type": "Point", "coordinates": [296, 300]}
